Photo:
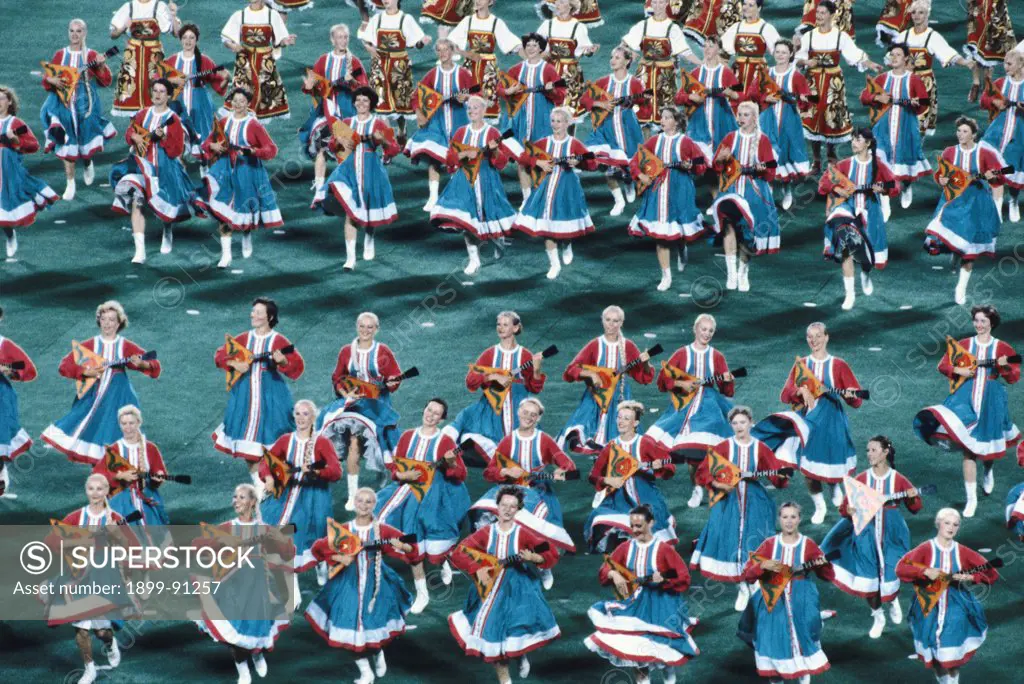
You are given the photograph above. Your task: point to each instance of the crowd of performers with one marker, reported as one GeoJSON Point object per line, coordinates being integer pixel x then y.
{"type": "Point", "coordinates": [754, 113]}
{"type": "Point", "coordinates": [516, 533]}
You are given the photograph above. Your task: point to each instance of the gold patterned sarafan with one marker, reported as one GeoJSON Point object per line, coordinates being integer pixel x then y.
{"type": "Point", "coordinates": [989, 29]}
{"type": "Point", "coordinates": [837, 116]}
{"type": "Point", "coordinates": [126, 75]}
{"type": "Point", "coordinates": [892, 8]}
{"type": "Point", "coordinates": [568, 67]}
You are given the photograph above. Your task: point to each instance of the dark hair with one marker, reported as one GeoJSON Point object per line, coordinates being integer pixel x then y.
{"type": "Point", "coordinates": [510, 490]}
{"type": "Point", "coordinates": [786, 42]}
{"type": "Point", "coordinates": [369, 93]}
{"type": "Point", "coordinates": [239, 89]}
{"type": "Point", "coordinates": [271, 307]}
{"type": "Point", "coordinates": [990, 313]}
{"type": "Point", "coordinates": [888, 446]}
{"type": "Point", "coordinates": [195, 31]}
{"type": "Point", "coordinates": [869, 136]}
{"type": "Point", "coordinates": [442, 402]}
{"type": "Point", "coordinates": [168, 86]}
{"type": "Point", "coordinates": [899, 46]}
{"type": "Point", "coordinates": [541, 41]}
{"type": "Point", "coordinates": [1, 313]}
{"type": "Point", "coordinates": [828, 5]}
{"type": "Point", "coordinates": [678, 116]}
{"type": "Point", "coordinates": [969, 122]}
{"type": "Point", "coordinates": [644, 510]}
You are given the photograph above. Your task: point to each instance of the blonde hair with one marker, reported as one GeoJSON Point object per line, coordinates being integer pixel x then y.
{"type": "Point", "coordinates": [753, 109]}
{"type": "Point", "coordinates": [946, 513]}
{"type": "Point", "coordinates": [564, 111]}
{"type": "Point", "coordinates": [612, 308]}
{"type": "Point", "coordinates": [818, 324]}
{"type": "Point", "coordinates": [704, 317]}
{"type": "Point", "coordinates": [98, 478]}
{"type": "Point", "coordinates": [1015, 56]}
{"type": "Point", "coordinates": [309, 403]}
{"type": "Point", "coordinates": [129, 409]}
{"type": "Point", "coordinates": [254, 495]}
{"type": "Point", "coordinates": [926, 5]}
{"type": "Point", "coordinates": [740, 410]}
{"type": "Point", "coordinates": [632, 405]}
{"type": "Point", "coordinates": [484, 102]}
{"type": "Point", "coordinates": [368, 314]}
{"type": "Point", "coordinates": [535, 401]}
{"type": "Point", "coordinates": [115, 306]}
{"type": "Point", "coordinates": [339, 28]}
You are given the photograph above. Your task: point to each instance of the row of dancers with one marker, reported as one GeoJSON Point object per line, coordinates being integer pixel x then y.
{"type": "Point", "coordinates": [762, 140]}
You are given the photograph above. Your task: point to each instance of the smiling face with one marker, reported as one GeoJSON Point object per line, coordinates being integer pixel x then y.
{"type": "Point", "coordinates": [304, 416]}
{"type": "Point", "coordinates": [658, 7]}
{"type": "Point", "coordinates": [751, 12]}
{"type": "Point", "coordinates": [822, 18]}
{"type": "Point", "coordinates": [817, 339]}
{"type": "Point", "coordinates": [626, 422]}
{"type": "Point", "coordinates": [559, 123]}
{"type": "Point", "coordinates": [612, 323]}
{"type": "Point", "coordinates": [109, 323]}
{"type": "Point", "coordinates": [876, 454]}
{"type": "Point", "coordinates": [444, 51]}
{"type": "Point", "coordinates": [705, 331]}
{"type": "Point", "coordinates": [789, 520]}
{"type": "Point", "coordinates": [948, 527]}
{"type": "Point", "coordinates": [475, 109]}
{"type": "Point", "coordinates": [859, 144]}
{"type": "Point", "coordinates": [362, 105]}
{"type": "Point", "coordinates": [639, 528]}
{"type": "Point", "coordinates": [339, 40]}
{"type": "Point", "coordinates": [528, 415]}
{"type": "Point", "coordinates": [188, 41]}
{"type": "Point", "coordinates": [96, 490]}
{"type": "Point", "coordinates": [239, 103]}
{"type": "Point", "coordinates": [76, 35]}
{"type": "Point", "coordinates": [964, 134]}
{"type": "Point", "coordinates": [508, 506]}
{"type": "Point", "coordinates": [243, 502]}
{"type": "Point", "coordinates": [740, 425]}
{"type": "Point", "coordinates": [982, 324]}
{"type": "Point", "coordinates": [481, 5]}
{"type": "Point", "coordinates": [919, 15]}
{"type": "Point", "coordinates": [532, 49]}
{"type": "Point", "coordinates": [898, 58]}
{"type": "Point", "coordinates": [782, 54]}
{"type": "Point", "coordinates": [618, 59]}
{"type": "Point", "coordinates": [505, 328]}
{"type": "Point", "coordinates": [129, 426]}
{"type": "Point", "coordinates": [433, 414]}
{"type": "Point", "coordinates": [365, 501]}
{"type": "Point", "coordinates": [366, 329]}
{"type": "Point", "coordinates": [258, 316]}
{"type": "Point", "coordinates": [158, 93]}
{"type": "Point", "coordinates": [5, 103]}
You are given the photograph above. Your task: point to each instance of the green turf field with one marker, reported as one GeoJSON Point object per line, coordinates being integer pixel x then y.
{"type": "Point", "coordinates": [77, 255]}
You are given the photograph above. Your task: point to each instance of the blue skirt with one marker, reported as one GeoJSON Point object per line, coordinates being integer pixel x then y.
{"type": "Point", "coordinates": [699, 128]}
{"type": "Point", "coordinates": [905, 155]}
{"type": "Point", "coordinates": [587, 422]}
{"type": "Point", "coordinates": [611, 519]}
{"type": "Point", "coordinates": [964, 629]}
{"type": "Point", "coordinates": [171, 199]}
{"type": "Point", "coordinates": [244, 592]}
{"type": "Point", "coordinates": [754, 214]}
{"type": "Point", "coordinates": [240, 196]}
{"type": "Point", "coordinates": [430, 143]}
{"type": "Point", "coordinates": [275, 415]}
{"type": "Point", "coordinates": [151, 505]}
{"type": "Point", "coordinates": [556, 210]}
{"type": "Point", "coordinates": [308, 507]}
{"type": "Point", "coordinates": [771, 634]}
{"type": "Point", "coordinates": [114, 604]}
{"type": "Point", "coordinates": [363, 190]}
{"type": "Point", "coordinates": [954, 422]}
{"type": "Point", "coordinates": [968, 226]}
{"type": "Point", "coordinates": [478, 422]}
{"type": "Point", "coordinates": [649, 629]}
{"type": "Point", "coordinates": [859, 572]}
{"type": "Point", "coordinates": [436, 520]}
{"type": "Point", "coordinates": [513, 620]}
{"type": "Point", "coordinates": [873, 230]}
{"type": "Point", "coordinates": [481, 209]}
{"type": "Point", "coordinates": [341, 612]}
{"type": "Point", "coordinates": [704, 419]}
{"type": "Point", "coordinates": [373, 421]}
{"type": "Point", "coordinates": [1011, 501]}
{"type": "Point", "coordinates": [199, 121]}
{"type": "Point", "coordinates": [681, 219]}
{"type": "Point", "coordinates": [92, 422]}
{"type": "Point", "coordinates": [531, 122]}
{"type": "Point", "coordinates": [829, 454]}
{"type": "Point", "coordinates": [13, 438]}
{"type": "Point", "coordinates": [22, 196]}
{"type": "Point", "coordinates": [85, 129]}
{"type": "Point", "coordinates": [604, 140]}
{"type": "Point", "coordinates": [735, 528]}
{"type": "Point", "coordinates": [787, 140]}
{"type": "Point", "coordinates": [1013, 150]}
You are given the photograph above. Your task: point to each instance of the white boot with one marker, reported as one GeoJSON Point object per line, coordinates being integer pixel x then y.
{"type": "Point", "coordinates": [140, 248]}
{"type": "Point", "coordinates": [972, 499]}
{"type": "Point", "coordinates": [886, 206]}
{"type": "Point", "coordinates": [743, 275]}
{"type": "Point", "coordinates": [527, 191]}
{"type": "Point", "coordinates": [243, 672]}
{"type": "Point", "coordinates": [432, 199]}
{"type": "Point", "coordinates": [225, 251]}
{"type": "Point", "coordinates": [113, 654]}
{"type": "Point", "coordinates": [819, 508]}
{"type": "Point", "coordinates": [682, 257]}
{"type": "Point", "coordinates": [90, 173]}
{"type": "Point", "coordinates": [318, 182]}
{"type": "Point", "coordinates": [837, 495]}
{"type": "Point", "coordinates": [380, 666]}
{"type": "Point", "coordinates": [353, 485]}
{"type": "Point", "coordinates": [989, 481]}
{"type": "Point", "coordinates": [167, 240]}
{"type": "Point", "coordinates": [866, 286]}
{"type": "Point", "coordinates": [259, 663]}
{"type": "Point", "coordinates": [350, 255]}
{"type": "Point", "coordinates": [547, 579]}
{"type": "Point", "coordinates": [896, 612]}
{"type": "Point", "coordinates": [524, 667]}
{"type": "Point", "coordinates": [731, 280]}
{"type": "Point", "coordinates": [474, 260]}
{"type": "Point", "coordinates": [742, 596]}
{"type": "Point", "coordinates": [69, 191]}
{"type": "Point", "coordinates": [369, 249]}
{"type": "Point", "coordinates": [1014, 210]}
{"type": "Point", "coordinates": [246, 244]}
{"type": "Point", "coordinates": [669, 675]}
{"type": "Point", "coordinates": [696, 497]}
{"type": "Point", "coordinates": [630, 192]}
{"type": "Point", "coordinates": [322, 572]}
{"type": "Point", "coordinates": [446, 573]}
{"type": "Point", "coordinates": [666, 279]}
{"type": "Point", "coordinates": [851, 293]}
{"type": "Point", "coordinates": [960, 293]}
{"type": "Point", "coordinates": [12, 244]}
{"type": "Point", "coordinates": [89, 674]}
{"type": "Point", "coordinates": [787, 198]}
{"type": "Point", "coordinates": [620, 203]}
{"type": "Point", "coordinates": [999, 207]}
{"type": "Point", "coordinates": [365, 673]}
{"type": "Point", "coordinates": [422, 597]}
{"type": "Point", "coordinates": [567, 255]}
{"type": "Point", "coordinates": [878, 623]}
{"type": "Point", "coordinates": [907, 196]}
{"type": "Point", "coordinates": [556, 267]}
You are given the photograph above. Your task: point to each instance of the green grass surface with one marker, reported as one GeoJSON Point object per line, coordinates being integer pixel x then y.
{"type": "Point", "coordinates": [437, 319]}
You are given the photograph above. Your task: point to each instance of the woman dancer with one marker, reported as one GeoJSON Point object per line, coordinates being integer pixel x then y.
{"type": "Point", "coordinates": [256, 34]}
{"type": "Point", "coordinates": [15, 366]}
{"type": "Point", "coordinates": [144, 21]}
{"type": "Point", "coordinates": [1006, 132]}
{"type": "Point", "coordinates": [191, 98]}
